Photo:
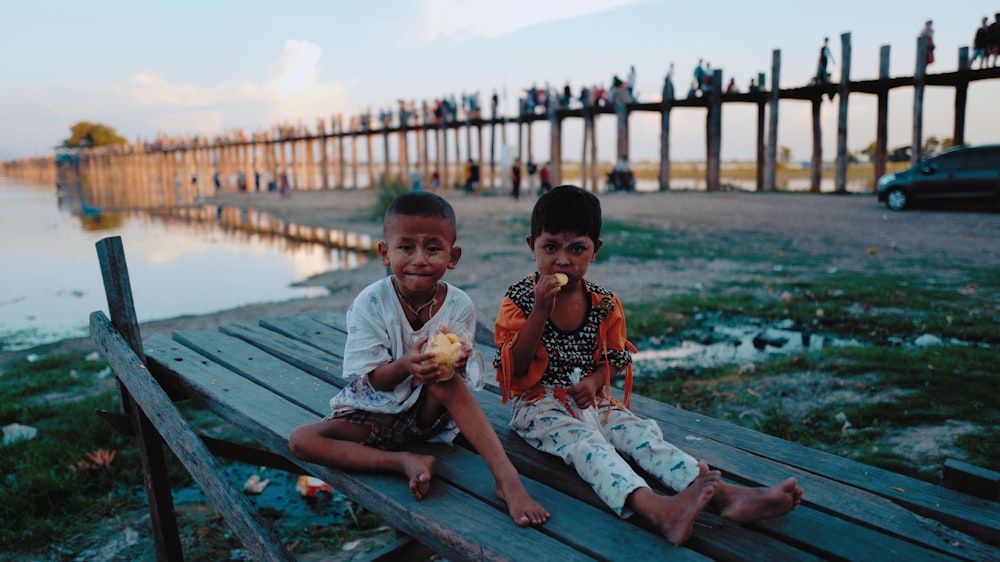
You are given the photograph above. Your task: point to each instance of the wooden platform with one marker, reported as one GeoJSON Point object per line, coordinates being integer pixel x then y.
{"type": "Point", "coordinates": [268, 378]}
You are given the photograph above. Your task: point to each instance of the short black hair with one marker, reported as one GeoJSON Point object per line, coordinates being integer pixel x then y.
{"type": "Point", "coordinates": [421, 204]}
{"type": "Point", "coordinates": [567, 208]}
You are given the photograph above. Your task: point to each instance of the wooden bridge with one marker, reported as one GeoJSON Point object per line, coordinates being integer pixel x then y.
{"type": "Point", "coordinates": [268, 378]}
{"type": "Point", "coordinates": [180, 171]}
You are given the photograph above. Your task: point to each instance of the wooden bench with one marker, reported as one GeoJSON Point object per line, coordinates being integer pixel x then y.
{"type": "Point", "coordinates": [270, 377]}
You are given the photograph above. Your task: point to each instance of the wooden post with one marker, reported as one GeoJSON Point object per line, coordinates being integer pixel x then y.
{"type": "Point", "coordinates": [370, 157]}
{"type": "Point", "coordinates": [443, 155]}
{"type": "Point", "coordinates": [761, 145]}
{"type": "Point", "coordinates": [919, 76]}
{"type": "Point", "coordinates": [479, 147]}
{"type": "Point", "coordinates": [309, 144]}
{"type": "Point", "coordinates": [493, 140]}
{"type": "Point", "coordinates": [588, 122]}
{"type": "Point", "coordinates": [386, 122]}
{"type": "Point", "coordinates": [772, 133]}
{"type": "Point", "coordinates": [520, 140]}
{"type": "Point", "coordinates": [404, 144]}
{"type": "Point", "coordinates": [816, 162]}
{"type": "Point", "coordinates": [714, 132]}
{"type": "Point", "coordinates": [459, 163]}
{"type": "Point", "coordinates": [555, 139]}
{"type": "Point", "coordinates": [665, 104]}
{"type": "Point", "coordinates": [882, 124]}
{"type": "Point", "coordinates": [840, 182]}
{"type": "Point", "coordinates": [354, 152]}
{"type": "Point", "coordinates": [340, 151]}
{"type": "Point", "coordinates": [593, 151]}
{"type": "Point", "coordinates": [323, 148]}
{"type": "Point", "coordinates": [961, 93]}
{"type": "Point", "coordinates": [531, 159]}
{"type": "Point", "coordinates": [118, 291]}
{"type": "Point", "coordinates": [621, 111]}
{"type": "Point", "coordinates": [425, 150]}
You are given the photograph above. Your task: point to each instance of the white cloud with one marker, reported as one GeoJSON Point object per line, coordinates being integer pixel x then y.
{"type": "Point", "coordinates": [465, 19]}
{"type": "Point", "coordinates": [296, 93]}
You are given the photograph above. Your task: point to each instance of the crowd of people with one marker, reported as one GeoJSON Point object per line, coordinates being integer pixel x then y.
{"type": "Point", "coordinates": [986, 43]}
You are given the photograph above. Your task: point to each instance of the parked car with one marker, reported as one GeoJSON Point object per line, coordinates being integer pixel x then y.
{"type": "Point", "coordinates": [964, 175]}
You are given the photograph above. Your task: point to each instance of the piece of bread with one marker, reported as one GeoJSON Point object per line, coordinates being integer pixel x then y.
{"type": "Point", "coordinates": [447, 348]}
{"type": "Point", "coordinates": [563, 278]}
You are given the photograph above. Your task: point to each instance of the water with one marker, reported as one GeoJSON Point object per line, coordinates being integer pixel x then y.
{"type": "Point", "coordinates": [51, 278]}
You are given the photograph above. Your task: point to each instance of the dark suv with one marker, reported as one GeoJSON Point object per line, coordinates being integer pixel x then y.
{"type": "Point", "coordinates": [966, 175]}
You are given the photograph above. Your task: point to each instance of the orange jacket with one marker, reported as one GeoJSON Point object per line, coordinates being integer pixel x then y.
{"type": "Point", "coordinates": [510, 320]}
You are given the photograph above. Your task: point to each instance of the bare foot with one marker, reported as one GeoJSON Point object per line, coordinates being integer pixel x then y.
{"type": "Point", "coordinates": [675, 516]}
{"type": "Point", "coordinates": [744, 505]}
{"type": "Point", "coordinates": [521, 507]}
{"type": "Point", "coordinates": [419, 469]}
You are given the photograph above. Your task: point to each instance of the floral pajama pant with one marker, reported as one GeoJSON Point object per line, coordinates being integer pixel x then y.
{"type": "Point", "coordinates": [595, 447]}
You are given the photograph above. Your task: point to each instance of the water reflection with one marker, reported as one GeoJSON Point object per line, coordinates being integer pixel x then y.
{"type": "Point", "coordinates": [731, 345]}
{"type": "Point", "coordinates": [178, 266]}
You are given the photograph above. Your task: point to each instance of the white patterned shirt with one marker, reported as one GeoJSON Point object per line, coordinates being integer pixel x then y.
{"type": "Point", "coordinates": [378, 333]}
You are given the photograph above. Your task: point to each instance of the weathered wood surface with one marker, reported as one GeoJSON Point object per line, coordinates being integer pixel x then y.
{"type": "Point", "coordinates": [267, 379]}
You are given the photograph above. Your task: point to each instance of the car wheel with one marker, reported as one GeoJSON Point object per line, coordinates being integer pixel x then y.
{"type": "Point", "coordinates": [896, 199]}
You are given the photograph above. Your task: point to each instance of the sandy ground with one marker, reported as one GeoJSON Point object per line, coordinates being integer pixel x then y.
{"type": "Point", "coordinates": [852, 230]}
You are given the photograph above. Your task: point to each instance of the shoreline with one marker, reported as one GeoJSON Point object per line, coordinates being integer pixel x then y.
{"type": "Point", "coordinates": [853, 231]}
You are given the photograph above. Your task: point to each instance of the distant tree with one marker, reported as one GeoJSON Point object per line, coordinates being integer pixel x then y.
{"type": "Point", "coordinates": [931, 146]}
{"type": "Point", "coordinates": [947, 143]}
{"type": "Point", "coordinates": [869, 150]}
{"type": "Point", "coordinates": [86, 134]}
{"type": "Point", "coordinates": [784, 154]}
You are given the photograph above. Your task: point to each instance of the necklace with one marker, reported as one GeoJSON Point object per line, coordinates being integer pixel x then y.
{"type": "Point", "coordinates": [409, 305]}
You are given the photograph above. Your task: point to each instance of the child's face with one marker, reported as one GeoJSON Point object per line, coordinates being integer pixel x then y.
{"type": "Point", "coordinates": [419, 250]}
{"type": "Point", "coordinates": [567, 252]}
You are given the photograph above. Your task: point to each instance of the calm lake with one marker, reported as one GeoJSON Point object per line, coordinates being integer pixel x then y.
{"type": "Point", "coordinates": [51, 279]}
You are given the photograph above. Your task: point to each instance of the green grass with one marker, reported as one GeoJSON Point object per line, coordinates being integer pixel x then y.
{"type": "Point", "coordinates": [871, 307]}
{"type": "Point", "coordinates": [45, 494]}
{"type": "Point", "coordinates": [928, 387]}
{"type": "Point", "coordinates": [52, 491]}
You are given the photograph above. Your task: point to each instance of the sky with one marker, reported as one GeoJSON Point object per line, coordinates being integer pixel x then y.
{"type": "Point", "coordinates": [207, 66]}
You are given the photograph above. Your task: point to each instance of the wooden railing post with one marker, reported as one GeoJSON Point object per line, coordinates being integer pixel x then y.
{"type": "Point", "coordinates": [118, 291]}
{"type": "Point", "coordinates": [840, 182]}
{"type": "Point", "coordinates": [772, 133]}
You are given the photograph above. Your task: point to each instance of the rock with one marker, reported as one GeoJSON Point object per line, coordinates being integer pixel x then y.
{"type": "Point", "coordinates": [927, 340]}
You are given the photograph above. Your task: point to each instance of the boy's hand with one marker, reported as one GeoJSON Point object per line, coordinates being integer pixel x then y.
{"type": "Point", "coordinates": [419, 364]}
{"type": "Point", "coordinates": [585, 391]}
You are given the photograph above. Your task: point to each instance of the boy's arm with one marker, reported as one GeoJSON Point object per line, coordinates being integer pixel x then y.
{"type": "Point", "coordinates": [524, 349]}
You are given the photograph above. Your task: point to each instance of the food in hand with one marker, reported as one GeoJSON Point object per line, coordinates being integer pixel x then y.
{"type": "Point", "coordinates": [562, 278]}
{"type": "Point", "coordinates": [447, 348]}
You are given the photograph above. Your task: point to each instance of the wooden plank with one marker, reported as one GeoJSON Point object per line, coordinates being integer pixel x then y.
{"type": "Point", "coordinates": [256, 534]}
{"type": "Point", "coordinates": [326, 366]}
{"type": "Point", "coordinates": [259, 368]}
{"type": "Point", "coordinates": [569, 516]}
{"type": "Point", "coordinates": [543, 468]}
{"type": "Point", "coordinates": [118, 292]}
{"type": "Point", "coordinates": [449, 520]}
{"type": "Point", "coordinates": [977, 517]}
{"type": "Point", "coordinates": [310, 330]}
{"type": "Point", "coordinates": [971, 479]}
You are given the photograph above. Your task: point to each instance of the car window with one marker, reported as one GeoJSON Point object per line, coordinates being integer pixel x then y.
{"type": "Point", "coordinates": [949, 162]}
{"type": "Point", "coordinates": [983, 160]}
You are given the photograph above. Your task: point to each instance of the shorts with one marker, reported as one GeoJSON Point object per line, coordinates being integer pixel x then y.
{"type": "Point", "coordinates": [394, 431]}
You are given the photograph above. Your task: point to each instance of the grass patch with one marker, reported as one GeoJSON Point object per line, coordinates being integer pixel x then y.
{"type": "Point", "coordinates": [879, 393]}
{"type": "Point", "coordinates": [62, 487]}
{"type": "Point", "coordinates": [59, 482]}
{"type": "Point", "coordinates": [875, 308]}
